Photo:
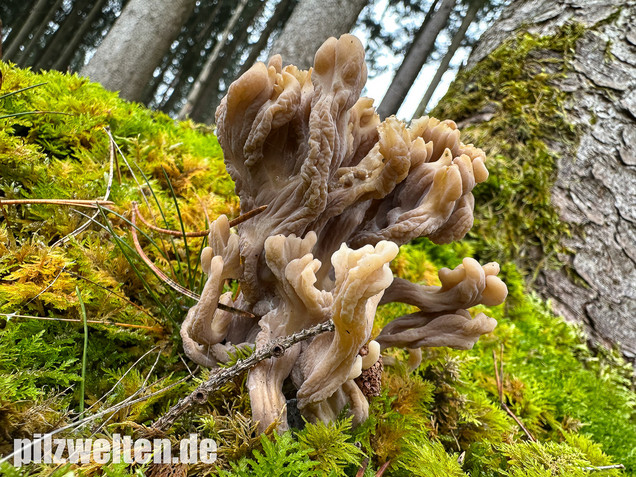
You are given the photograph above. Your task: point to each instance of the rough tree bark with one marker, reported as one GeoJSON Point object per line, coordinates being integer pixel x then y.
{"type": "Point", "coordinates": [310, 24]}
{"type": "Point", "coordinates": [136, 43]}
{"type": "Point", "coordinates": [423, 45]}
{"type": "Point", "coordinates": [595, 186]}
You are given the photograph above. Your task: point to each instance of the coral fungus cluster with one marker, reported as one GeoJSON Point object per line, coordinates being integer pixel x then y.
{"type": "Point", "coordinates": [343, 192]}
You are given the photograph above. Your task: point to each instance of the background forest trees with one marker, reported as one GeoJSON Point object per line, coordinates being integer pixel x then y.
{"type": "Point", "coordinates": [179, 57]}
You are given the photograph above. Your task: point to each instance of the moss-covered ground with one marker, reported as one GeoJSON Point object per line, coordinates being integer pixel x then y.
{"type": "Point", "coordinates": [444, 419]}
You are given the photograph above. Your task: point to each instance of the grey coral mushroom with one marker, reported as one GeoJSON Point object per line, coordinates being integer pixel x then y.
{"type": "Point", "coordinates": [343, 192]}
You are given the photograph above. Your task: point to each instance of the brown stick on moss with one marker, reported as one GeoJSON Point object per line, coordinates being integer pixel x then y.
{"type": "Point", "coordinates": [274, 348]}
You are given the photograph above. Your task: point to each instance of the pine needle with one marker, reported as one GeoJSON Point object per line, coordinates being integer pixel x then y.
{"type": "Point", "coordinates": [90, 203]}
{"type": "Point", "coordinates": [83, 381]}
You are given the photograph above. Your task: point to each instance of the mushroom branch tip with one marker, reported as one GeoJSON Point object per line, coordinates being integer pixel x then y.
{"type": "Point", "coordinates": [343, 191]}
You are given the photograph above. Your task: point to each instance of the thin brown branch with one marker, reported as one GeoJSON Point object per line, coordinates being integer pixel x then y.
{"type": "Point", "coordinates": [363, 467]}
{"type": "Point", "coordinates": [274, 348]}
{"type": "Point", "coordinates": [91, 203]}
{"type": "Point", "coordinates": [202, 233]}
{"type": "Point", "coordinates": [74, 320]}
{"type": "Point", "coordinates": [166, 279]}
{"type": "Point", "coordinates": [499, 379]}
{"type": "Point", "coordinates": [247, 215]}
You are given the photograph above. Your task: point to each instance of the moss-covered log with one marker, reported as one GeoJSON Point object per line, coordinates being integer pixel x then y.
{"type": "Point", "coordinates": [550, 93]}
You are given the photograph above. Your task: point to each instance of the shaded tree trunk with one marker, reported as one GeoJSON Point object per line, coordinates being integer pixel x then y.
{"type": "Point", "coordinates": [205, 106]}
{"type": "Point", "coordinates": [26, 58]}
{"type": "Point", "coordinates": [418, 53]}
{"type": "Point", "coordinates": [200, 82]}
{"type": "Point", "coordinates": [34, 19]}
{"type": "Point", "coordinates": [458, 38]}
{"type": "Point", "coordinates": [62, 36]}
{"type": "Point", "coordinates": [594, 183]}
{"type": "Point", "coordinates": [136, 43]}
{"type": "Point", "coordinates": [187, 56]}
{"type": "Point", "coordinates": [277, 17]}
{"type": "Point", "coordinates": [64, 60]}
{"type": "Point", "coordinates": [310, 24]}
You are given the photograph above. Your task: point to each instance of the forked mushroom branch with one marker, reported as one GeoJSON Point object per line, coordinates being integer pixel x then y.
{"type": "Point", "coordinates": [343, 192]}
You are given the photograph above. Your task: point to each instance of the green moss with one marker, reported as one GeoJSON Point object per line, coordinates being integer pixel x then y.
{"type": "Point", "coordinates": [515, 86]}
{"type": "Point", "coordinates": [65, 154]}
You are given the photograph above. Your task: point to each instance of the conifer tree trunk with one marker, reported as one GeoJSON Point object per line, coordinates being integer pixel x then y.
{"type": "Point", "coordinates": [202, 79]}
{"type": "Point", "coordinates": [418, 53]}
{"type": "Point", "coordinates": [136, 43]}
{"type": "Point", "coordinates": [25, 57]}
{"type": "Point", "coordinates": [593, 182]}
{"type": "Point", "coordinates": [70, 49]}
{"type": "Point", "coordinates": [459, 36]}
{"type": "Point", "coordinates": [35, 17]}
{"type": "Point", "coordinates": [272, 23]}
{"type": "Point", "coordinates": [310, 24]}
{"type": "Point", "coordinates": [62, 37]}
{"type": "Point", "coordinates": [208, 100]}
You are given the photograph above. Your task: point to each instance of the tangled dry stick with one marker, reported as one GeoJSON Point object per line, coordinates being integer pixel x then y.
{"type": "Point", "coordinates": [274, 349]}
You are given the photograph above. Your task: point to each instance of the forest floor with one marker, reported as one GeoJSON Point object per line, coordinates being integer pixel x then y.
{"type": "Point", "coordinates": [89, 333]}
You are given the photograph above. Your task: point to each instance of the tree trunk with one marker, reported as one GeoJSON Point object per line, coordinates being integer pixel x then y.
{"type": "Point", "coordinates": [135, 45]}
{"type": "Point", "coordinates": [13, 23]}
{"type": "Point", "coordinates": [310, 24]}
{"type": "Point", "coordinates": [459, 36]}
{"type": "Point", "coordinates": [62, 36]}
{"type": "Point", "coordinates": [205, 106]}
{"type": "Point", "coordinates": [593, 181]}
{"type": "Point", "coordinates": [418, 53]}
{"type": "Point", "coordinates": [26, 58]}
{"type": "Point", "coordinates": [199, 83]}
{"type": "Point", "coordinates": [272, 24]}
{"type": "Point", "coordinates": [34, 19]}
{"type": "Point", "coordinates": [70, 49]}
{"type": "Point", "coordinates": [182, 61]}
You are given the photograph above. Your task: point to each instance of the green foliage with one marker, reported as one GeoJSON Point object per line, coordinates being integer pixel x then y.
{"type": "Point", "coordinates": [329, 445]}
{"type": "Point", "coordinates": [66, 154]}
{"type": "Point", "coordinates": [282, 456]}
{"type": "Point", "coordinates": [429, 458]}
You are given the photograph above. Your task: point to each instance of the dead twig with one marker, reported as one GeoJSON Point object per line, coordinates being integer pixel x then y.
{"type": "Point", "coordinates": [74, 320]}
{"type": "Point", "coordinates": [169, 281]}
{"type": "Point", "coordinates": [382, 469]}
{"type": "Point", "coordinates": [363, 467]}
{"type": "Point", "coordinates": [274, 348]}
{"type": "Point", "coordinates": [603, 467]}
{"type": "Point", "coordinates": [202, 233]}
{"type": "Point", "coordinates": [90, 203]}
{"type": "Point", "coordinates": [499, 376]}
